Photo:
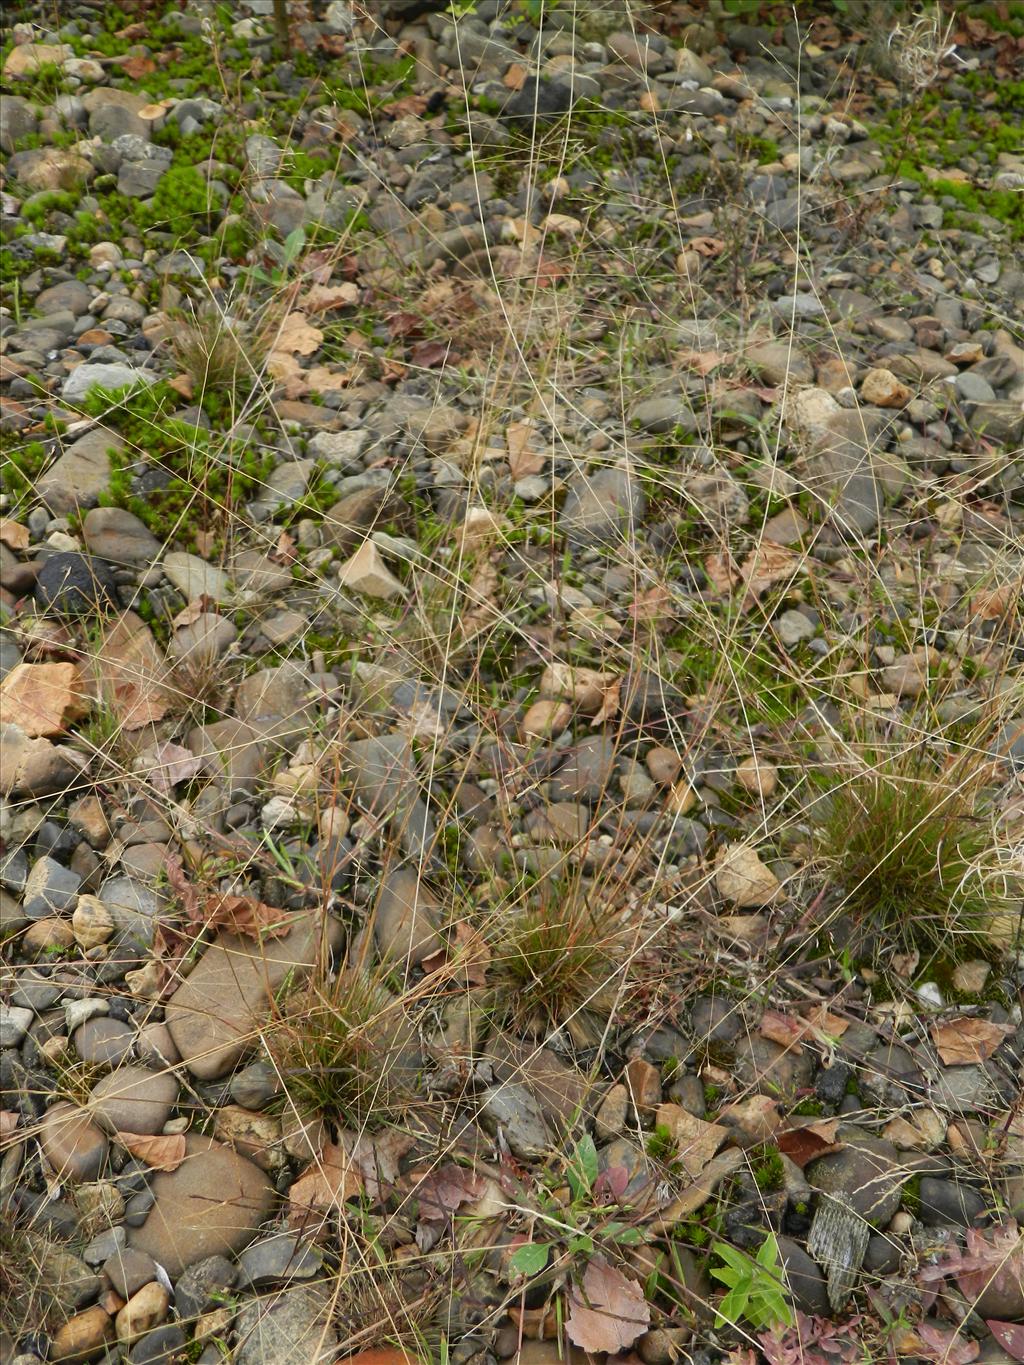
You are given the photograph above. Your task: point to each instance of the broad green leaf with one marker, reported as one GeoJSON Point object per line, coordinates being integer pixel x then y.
{"type": "Point", "coordinates": [530, 1259]}
{"type": "Point", "coordinates": [583, 1168]}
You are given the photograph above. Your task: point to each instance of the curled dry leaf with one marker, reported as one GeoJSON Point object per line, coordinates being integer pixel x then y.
{"type": "Point", "coordinates": [965, 1040]}
{"type": "Point", "coordinates": [324, 298]}
{"type": "Point", "coordinates": [190, 614]}
{"type": "Point", "coordinates": [767, 565]}
{"type": "Point", "coordinates": [167, 764]}
{"type": "Point", "coordinates": [328, 1182]}
{"type": "Point", "coordinates": [784, 1029]}
{"type": "Point", "coordinates": [806, 1141]}
{"type": "Point", "coordinates": [164, 1152]}
{"type": "Point", "coordinates": [246, 917]}
{"type": "Point", "coordinates": [521, 460]}
{"type": "Point", "coordinates": [608, 1312]}
{"type": "Point", "coordinates": [446, 1189]}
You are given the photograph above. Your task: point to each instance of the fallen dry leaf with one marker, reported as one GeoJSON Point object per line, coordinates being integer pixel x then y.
{"type": "Point", "coordinates": [965, 1040]}
{"type": "Point", "coordinates": [696, 1141]}
{"type": "Point", "coordinates": [43, 699]}
{"type": "Point", "coordinates": [741, 877]}
{"type": "Point", "coordinates": [521, 460]}
{"type": "Point", "coordinates": [803, 1142]}
{"type": "Point", "coordinates": [609, 708]}
{"type": "Point", "coordinates": [246, 917]}
{"type": "Point", "coordinates": [722, 571]}
{"type": "Point", "coordinates": [703, 361]}
{"type": "Point", "coordinates": [784, 1029]}
{"type": "Point", "coordinates": [8, 1122]}
{"type": "Point", "coordinates": [376, 1158]}
{"type": "Point", "coordinates": [768, 564]}
{"type": "Point", "coordinates": [328, 1182]}
{"type": "Point", "coordinates": [446, 1189]}
{"type": "Point", "coordinates": [167, 764]}
{"type": "Point", "coordinates": [190, 614]}
{"type": "Point", "coordinates": [468, 954]}
{"type": "Point", "coordinates": [481, 600]}
{"type": "Point", "coordinates": [706, 246]}
{"type": "Point", "coordinates": [164, 1152]}
{"type": "Point", "coordinates": [13, 534]}
{"type": "Point", "coordinates": [324, 298]}
{"type": "Point", "coordinates": [608, 1311]}
{"type": "Point", "coordinates": [825, 1025]}
{"type": "Point", "coordinates": [297, 336]}
{"type": "Point", "coordinates": [132, 674]}
{"type": "Point", "coordinates": [186, 891]}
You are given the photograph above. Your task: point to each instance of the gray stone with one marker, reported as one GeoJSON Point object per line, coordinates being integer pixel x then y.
{"type": "Point", "coordinates": [103, 1041]}
{"type": "Point", "coordinates": [512, 1110]}
{"type": "Point", "coordinates": [771, 1069]}
{"type": "Point", "coordinates": [201, 1284]}
{"type": "Point", "coordinates": [586, 775]}
{"type": "Point", "coordinates": [406, 918]}
{"type": "Point", "coordinates": [256, 1085]}
{"type": "Point", "coordinates": [212, 1205]}
{"type": "Point", "coordinates": [129, 1270]}
{"type": "Point", "coordinates": [963, 1089]}
{"type": "Point", "coordinates": [868, 1171]}
{"type": "Point", "coordinates": [17, 120]}
{"type": "Point", "coordinates": [664, 415]}
{"type": "Point", "coordinates": [279, 704]}
{"type": "Point", "coordinates": [290, 1328]}
{"type": "Point", "coordinates": [50, 889]}
{"type": "Point", "coordinates": [602, 507]}
{"type": "Point", "coordinates": [89, 376]}
{"type": "Point", "coordinates": [804, 1278]}
{"type": "Point", "coordinates": [194, 577]}
{"type": "Point", "coordinates": [842, 467]}
{"type": "Point", "coordinates": [133, 1099]}
{"type": "Point", "coordinates": [119, 536]}
{"type": "Point", "coordinates": [387, 783]}
{"type": "Point", "coordinates": [283, 1258]}
{"type": "Point", "coordinates": [776, 362]}
{"type": "Point", "coordinates": [82, 473]}
{"type": "Point", "coordinates": [133, 906]}
{"type": "Point", "coordinates": [110, 121]}
{"type": "Point", "coordinates": [14, 1024]}
{"type": "Point", "coordinates": [232, 753]}
{"type": "Point", "coordinates": [945, 1202]}
{"type": "Point", "coordinates": [201, 643]}
{"type": "Point", "coordinates": [139, 179]}
{"type": "Point", "coordinates": [72, 295]}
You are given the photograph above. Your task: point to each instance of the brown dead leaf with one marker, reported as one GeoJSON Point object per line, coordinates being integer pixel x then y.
{"type": "Point", "coordinates": [376, 1158]}
{"type": "Point", "coordinates": [164, 1152]}
{"type": "Point", "coordinates": [326, 1184]}
{"type": "Point", "coordinates": [8, 1122]}
{"type": "Point", "coordinates": [284, 549]}
{"type": "Point", "coordinates": [722, 571]}
{"type": "Point", "coordinates": [803, 1142]}
{"type": "Point", "coordinates": [784, 1029]}
{"type": "Point", "coordinates": [183, 384]}
{"type": "Point", "coordinates": [768, 564]}
{"type": "Point", "coordinates": [446, 1189]}
{"type": "Point", "coordinates": [167, 764]}
{"type": "Point", "coordinates": [43, 699]}
{"type": "Point", "coordinates": [481, 600]}
{"type": "Point", "coordinates": [609, 707]}
{"type": "Point", "coordinates": [186, 892]}
{"type": "Point", "coordinates": [706, 246]}
{"type": "Point", "coordinates": [324, 298]}
{"type": "Point", "coordinates": [246, 917]}
{"type": "Point", "coordinates": [996, 603]}
{"type": "Point", "coordinates": [522, 461]}
{"type": "Point", "coordinates": [408, 104]}
{"type": "Point", "coordinates": [515, 77]}
{"type": "Point", "coordinates": [468, 954]}
{"type": "Point", "coordinates": [297, 336]}
{"type": "Point", "coordinates": [430, 355]}
{"type": "Point", "coordinates": [696, 1141]}
{"type": "Point", "coordinates": [136, 67]}
{"type": "Point", "coordinates": [189, 615]}
{"type": "Point", "coordinates": [825, 1025]}
{"type": "Point", "coordinates": [13, 534]}
{"type": "Point", "coordinates": [703, 361]}
{"type": "Point", "coordinates": [653, 605]}
{"type": "Point", "coordinates": [965, 1040]}
{"type": "Point", "coordinates": [607, 1311]}
{"type": "Point", "coordinates": [132, 674]}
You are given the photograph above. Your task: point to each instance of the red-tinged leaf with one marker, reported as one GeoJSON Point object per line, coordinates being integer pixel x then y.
{"type": "Point", "coordinates": [612, 1181]}
{"type": "Point", "coordinates": [548, 272]}
{"type": "Point", "coordinates": [784, 1029]}
{"type": "Point", "coordinates": [328, 1182]}
{"type": "Point", "coordinates": [945, 1346]}
{"type": "Point", "coordinates": [246, 917]}
{"type": "Point", "coordinates": [1010, 1336]}
{"type": "Point", "coordinates": [804, 1142]}
{"type": "Point", "coordinates": [188, 895]}
{"type": "Point", "coordinates": [137, 67]}
{"type": "Point", "coordinates": [408, 104]}
{"type": "Point", "coordinates": [401, 325]}
{"type": "Point", "coordinates": [430, 354]}
{"type": "Point", "coordinates": [652, 605]}
{"type": "Point", "coordinates": [965, 1041]}
{"type": "Point", "coordinates": [445, 1190]}
{"type": "Point", "coordinates": [164, 1152]}
{"type": "Point", "coordinates": [608, 1312]}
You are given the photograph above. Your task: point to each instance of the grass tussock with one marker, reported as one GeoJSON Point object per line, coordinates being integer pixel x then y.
{"type": "Point", "coordinates": [338, 1048]}
{"type": "Point", "coordinates": [909, 845]}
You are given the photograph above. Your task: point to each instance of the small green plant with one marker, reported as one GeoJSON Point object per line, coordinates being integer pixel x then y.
{"type": "Point", "coordinates": [756, 1293]}
{"type": "Point", "coordinates": [579, 1226]}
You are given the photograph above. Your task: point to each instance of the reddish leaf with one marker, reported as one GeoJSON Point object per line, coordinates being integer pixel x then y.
{"type": "Point", "coordinates": [187, 894]}
{"type": "Point", "coordinates": [245, 916]}
{"type": "Point", "coordinates": [137, 67]}
{"type": "Point", "coordinates": [443, 1191]}
{"type": "Point", "coordinates": [1010, 1336]}
{"type": "Point", "coordinates": [612, 1181]}
{"type": "Point", "coordinates": [784, 1029]}
{"type": "Point", "coordinates": [328, 1181]}
{"type": "Point", "coordinates": [806, 1141]}
{"type": "Point", "coordinates": [404, 325]}
{"type": "Point", "coordinates": [430, 354]}
{"type": "Point", "coordinates": [945, 1346]}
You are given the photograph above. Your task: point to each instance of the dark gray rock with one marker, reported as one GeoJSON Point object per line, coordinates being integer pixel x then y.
{"type": "Point", "coordinates": [868, 1171]}
{"type": "Point", "coordinates": [73, 584]}
{"type": "Point", "coordinates": [284, 1258]}
{"type": "Point", "coordinates": [804, 1278]}
{"type": "Point", "coordinates": [950, 1202]}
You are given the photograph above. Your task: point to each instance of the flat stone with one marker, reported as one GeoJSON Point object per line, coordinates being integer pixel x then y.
{"type": "Point", "coordinates": [513, 1110]}
{"type": "Point", "coordinates": [103, 1041]}
{"type": "Point", "coordinates": [212, 1205]}
{"type": "Point", "coordinates": [564, 1095]}
{"type": "Point", "coordinates": [132, 905]}
{"type": "Point", "coordinates": [290, 1328]}
{"type": "Point", "coordinates": [201, 643]}
{"type": "Point", "coordinates": [232, 751]}
{"type": "Point", "coordinates": [129, 1270]}
{"type": "Point", "coordinates": [281, 1259]}
{"type": "Point", "coordinates": [387, 784]}
{"type": "Point", "coordinates": [406, 918]}
{"type": "Point", "coordinates": [51, 889]}
{"type": "Point", "coordinates": [586, 774]}
{"type": "Point", "coordinates": [778, 363]}
{"type": "Point", "coordinates": [118, 536]}
{"type": "Point", "coordinates": [279, 704]}
{"type": "Point", "coordinates": [600, 507]}
{"type": "Point", "coordinates": [213, 1013]}
{"type": "Point", "coordinates": [868, 1172]}
{"type": "Point", "coordinates": [112, 376]}
{"type": "Point", "coordinates": [133, 1099]}
{"type": "Point", "coordinates": [76, 480]}
{"type": "Point", "coordinates": [73, 1145]}
{"type": "Point", "coordinates": [194, 577]}
{"type": "Point", "coordinates": [14, 1024]}
{"type": "Point", "coordinates": [253, 573]}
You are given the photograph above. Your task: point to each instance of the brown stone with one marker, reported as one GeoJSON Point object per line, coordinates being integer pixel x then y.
{"type": "Point", "coordinates": [72, 1143]}
{"type": "Point", "coordinates": [84, 1336]}
{"type": "Point", "coordinates": [133, 1099]}
{"type": "Point", "coordinates": [212, 1205]}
